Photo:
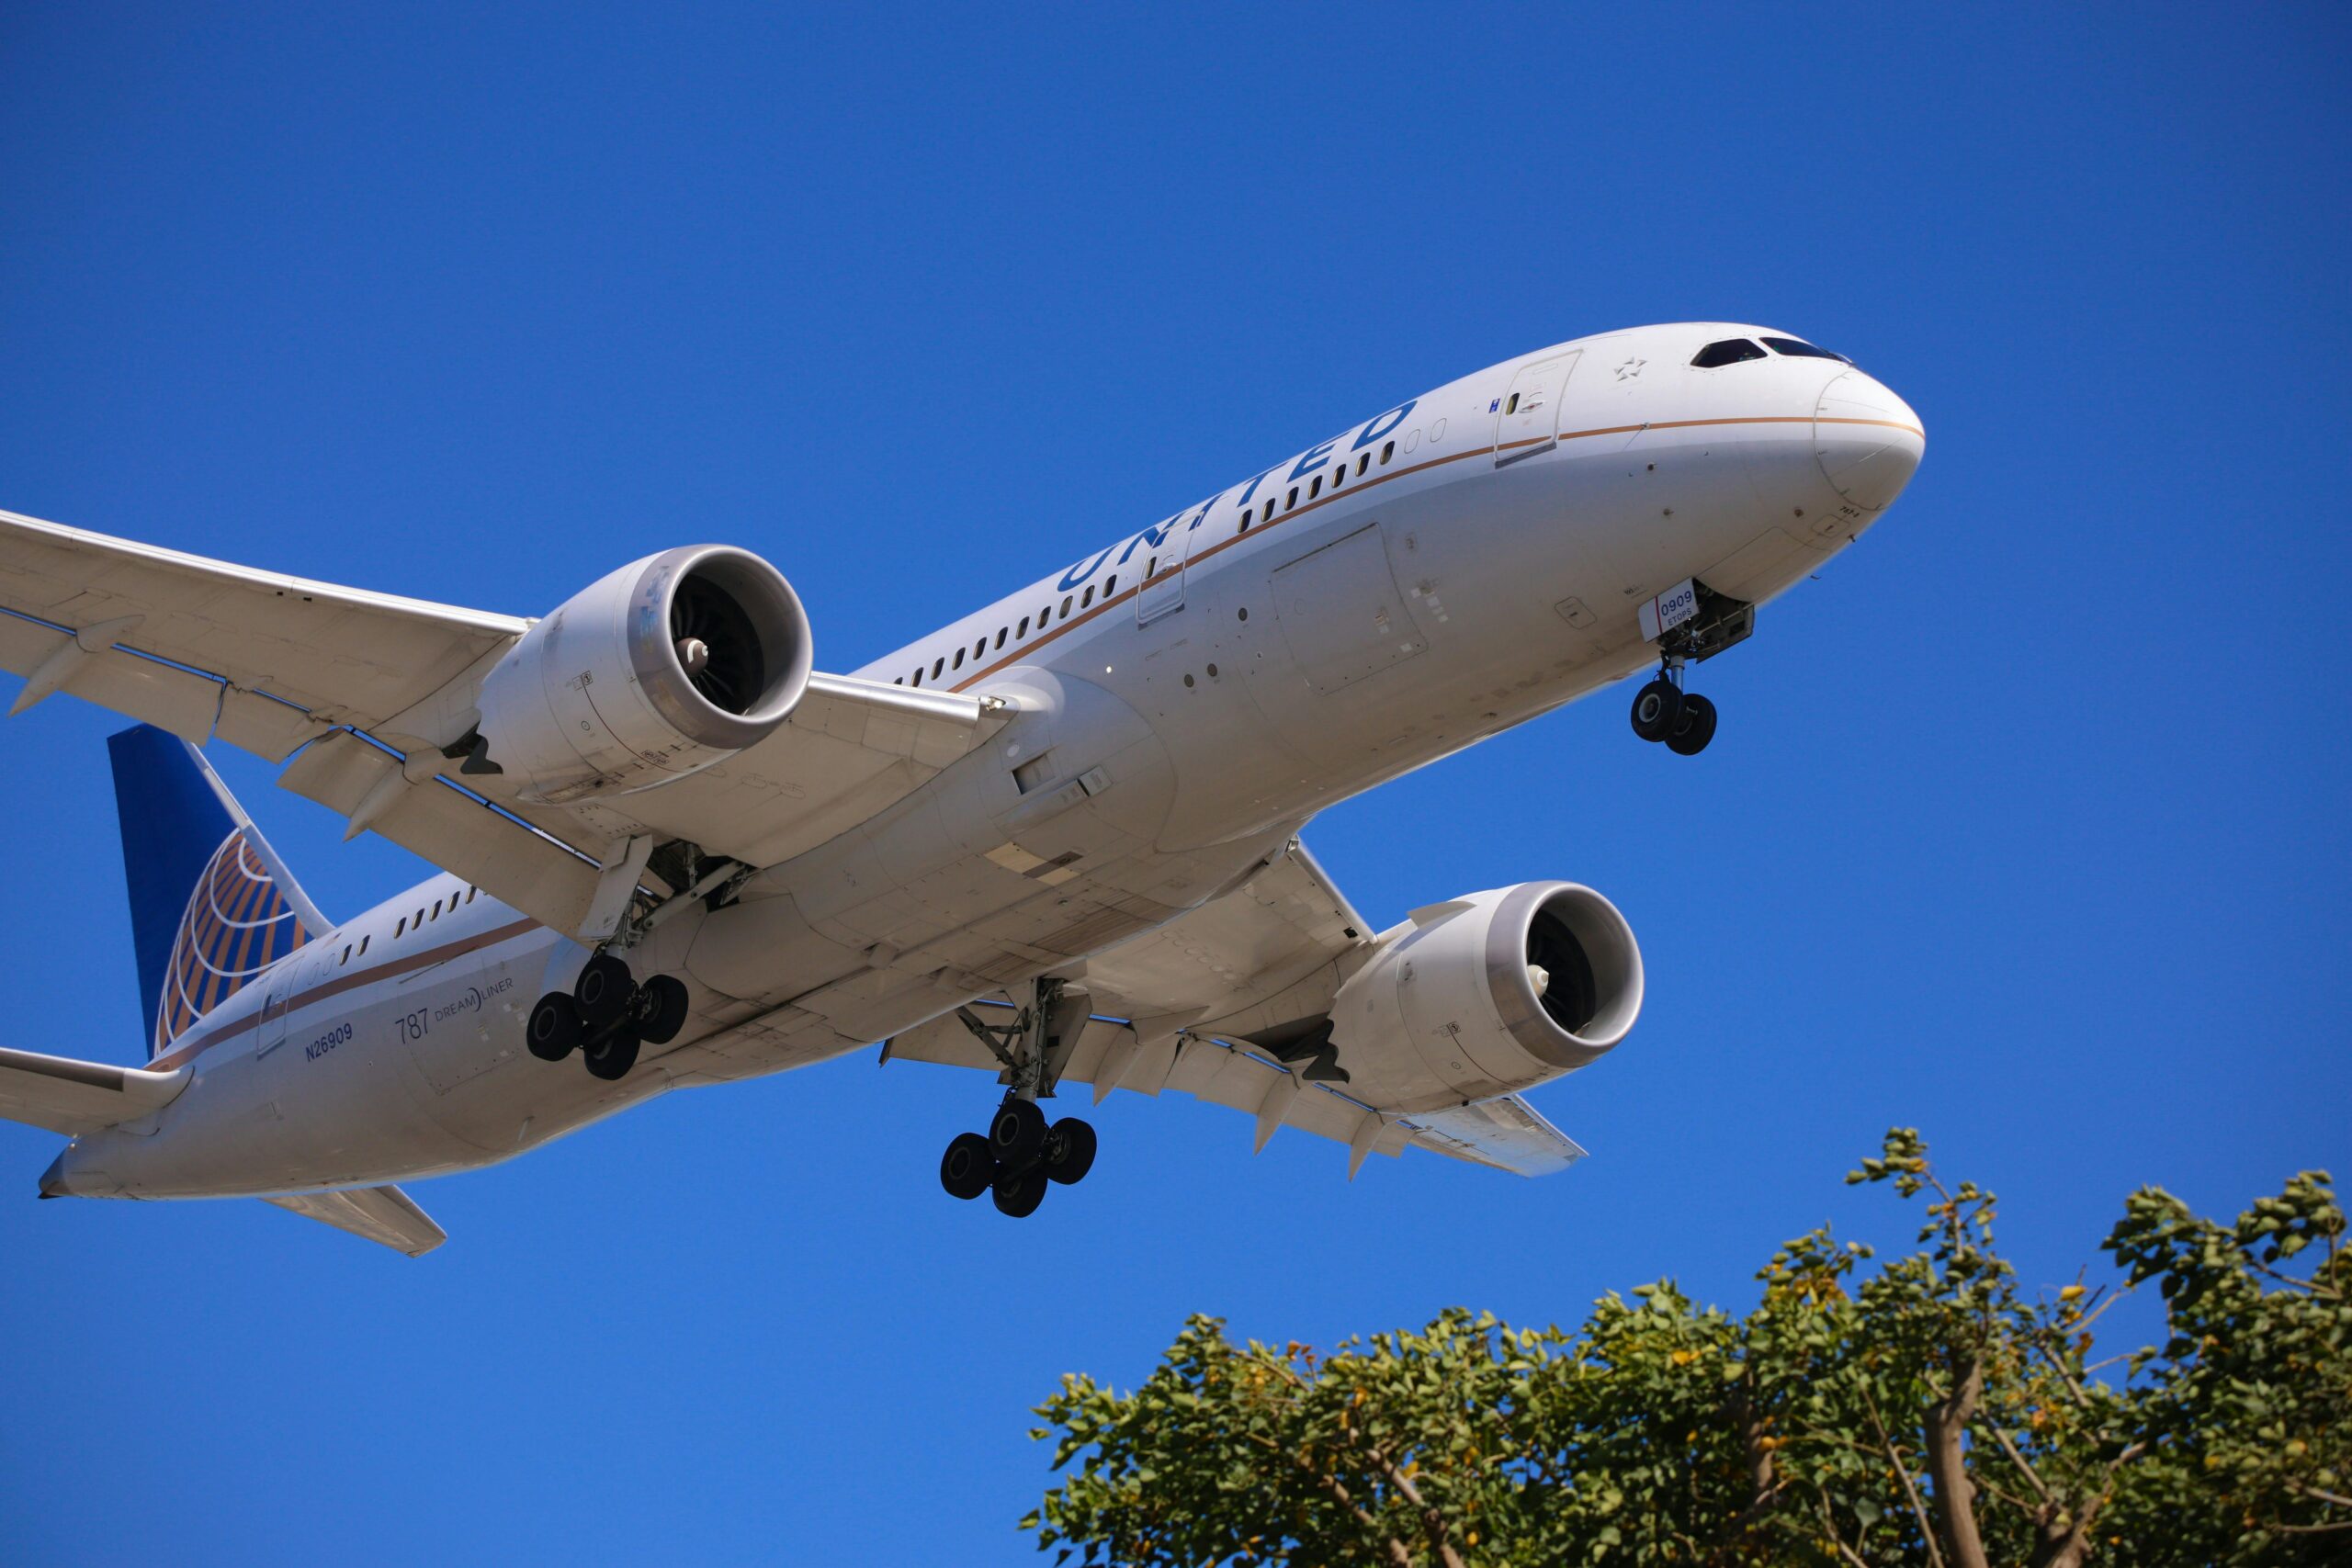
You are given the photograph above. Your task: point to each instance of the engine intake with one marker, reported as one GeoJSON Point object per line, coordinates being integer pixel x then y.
{"type": "Point", "coordinates": [1488, 995]}
{"type": "Point", "coordinates": [652, 672]}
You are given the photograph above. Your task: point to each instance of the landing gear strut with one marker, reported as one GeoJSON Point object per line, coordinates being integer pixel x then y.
{"type": "Point", "coordinates": [1022, 1153]}
{"type": "Point", "coordinates": [606, 1016]}
{"type": "Point", "coordinates": [1664, 711]}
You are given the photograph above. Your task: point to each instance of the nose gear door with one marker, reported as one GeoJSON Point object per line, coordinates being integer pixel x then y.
{"type": "Point", "coordinates": [1527, 420]}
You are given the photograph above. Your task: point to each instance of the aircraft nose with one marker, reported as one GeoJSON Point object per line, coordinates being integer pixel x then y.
{"type": "Point", "coordinates": [1868, 441]}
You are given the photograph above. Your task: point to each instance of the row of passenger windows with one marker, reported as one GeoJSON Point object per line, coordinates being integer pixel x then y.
{"type": "Point", "coordinates": [414, 922]}
{"type": "Point", "coordinates": [1732, 350]}
{"type": "Point", "coordinates": [1072, 603]}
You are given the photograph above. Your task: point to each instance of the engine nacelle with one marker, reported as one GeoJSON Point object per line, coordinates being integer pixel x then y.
{"type": "Point", "coordinates": [664, 667]}
{"type": "Point", "coordinates": [1488, 995]}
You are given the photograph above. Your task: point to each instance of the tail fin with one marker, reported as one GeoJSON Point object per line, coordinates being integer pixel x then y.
{"type": "Point", "coordinates": [211, 905]}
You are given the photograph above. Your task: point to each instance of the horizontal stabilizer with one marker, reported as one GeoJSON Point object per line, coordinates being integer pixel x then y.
{"type": "Point", "coordinates": [73, 1098]}
{"type": "Point", "coordinates": [383, 1214]}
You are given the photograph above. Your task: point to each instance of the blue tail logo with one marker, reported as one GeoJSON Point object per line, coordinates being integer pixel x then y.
{"type": "Point", "coordinates": [211, 905]}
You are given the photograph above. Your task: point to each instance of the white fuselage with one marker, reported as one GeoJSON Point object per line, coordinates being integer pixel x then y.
{"type": "Point", "coordinates": [1186, 699]}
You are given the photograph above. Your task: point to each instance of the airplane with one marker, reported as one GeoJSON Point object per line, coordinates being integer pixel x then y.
{"type": "Point", "coordinates": [1056, 841]}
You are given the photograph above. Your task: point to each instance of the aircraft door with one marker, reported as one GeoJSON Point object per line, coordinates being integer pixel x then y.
{"type": "Point", "coordinates": [1163, 577]}
{"type": "Point", "coordinates": [279, 988]}
{"type": "Point", "coordinates": [1527, 422]}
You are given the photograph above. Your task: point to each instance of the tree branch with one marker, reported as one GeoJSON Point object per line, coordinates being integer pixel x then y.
{"type": "Point", "coordinates": [1903, 1473]}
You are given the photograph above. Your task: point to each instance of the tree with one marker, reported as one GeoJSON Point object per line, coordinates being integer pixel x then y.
{"type": "Point", "coordinates": [1928, 1411]}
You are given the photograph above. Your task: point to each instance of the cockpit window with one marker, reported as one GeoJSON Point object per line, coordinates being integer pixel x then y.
{"type": "Point", "coordinates": [1731, 351]}
{"type": "Point", "coordinates": [1796, 349]}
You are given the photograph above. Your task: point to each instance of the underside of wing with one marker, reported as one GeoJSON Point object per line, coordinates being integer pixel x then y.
{"type": "Point", "coordinates": [382, 695]}
{"type": "Point", "coordinates": [1230, 1003]}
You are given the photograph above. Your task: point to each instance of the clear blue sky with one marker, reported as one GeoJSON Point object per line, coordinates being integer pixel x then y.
{"type": "Point", "coordinates": [2026, 823]}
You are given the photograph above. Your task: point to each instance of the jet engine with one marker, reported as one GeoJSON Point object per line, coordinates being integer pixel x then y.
{"type": "Point", "coordinates": [1487, 994]}
{"type": "Point", "coordinates": [664, 667]}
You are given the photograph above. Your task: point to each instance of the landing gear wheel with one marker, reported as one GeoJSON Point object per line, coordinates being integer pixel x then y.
{"type": "Point", "coordinates": [1656, 707]}
{"type": "Point", "coordinates": [659, 1010]}
{"type": "Point", "coordinates": [1069, 1151]}
{"type": "Point", "coordinates": [1019, 1193]}
{"type": "Point", "coordinates": [1016, 1137]}
{"type": "Point", "coordinates": [603, 990]}
{"type": "Point", "coordinates": [554, 1028]}
{"type": "Point", "coordinates": [611, 1058]}
{"type": "Point", "coordinates": [1694, 729]}
{"type": "Point", "coordinates": [967, 1169]}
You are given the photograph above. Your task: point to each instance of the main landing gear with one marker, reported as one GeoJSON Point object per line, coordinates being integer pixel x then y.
{"type": "Point", "coordinates": [606, 1016]}
{"type": "Point", "coordinates": [1664, 711]}
{"type": "Point", "coordinates": [1022, 1153]}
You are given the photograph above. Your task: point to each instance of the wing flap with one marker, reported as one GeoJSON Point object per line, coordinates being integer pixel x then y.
{"type": "Point", "coordinates": [73, 1096]}
{"type": "Point", "coordinates": [521, 863]}
{"type": "Point", "coordinates": [1505, 1134]}
{"type": "Point", "coordinates": [385, 1215]}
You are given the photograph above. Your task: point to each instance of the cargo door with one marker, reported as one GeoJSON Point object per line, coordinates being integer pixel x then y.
{"type": "Point", "coordinates": [1527, 421]}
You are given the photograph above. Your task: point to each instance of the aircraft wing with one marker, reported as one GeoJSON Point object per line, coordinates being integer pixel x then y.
{"type": "Point", "coordinates": [272, 664]}
{"type": "Point", "coordinates": [1210, 1004]}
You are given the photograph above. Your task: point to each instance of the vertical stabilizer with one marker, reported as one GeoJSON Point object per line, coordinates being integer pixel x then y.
{"type": "Point", "coordinates": [211, 905]}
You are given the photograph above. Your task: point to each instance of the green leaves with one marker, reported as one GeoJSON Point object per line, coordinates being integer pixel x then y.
{"type": "Point", "coordinates": [1854, 1415]}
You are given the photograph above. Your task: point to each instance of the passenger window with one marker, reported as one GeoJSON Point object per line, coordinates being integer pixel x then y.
{"type": "Point", "coordinates": [1066, 601]}
{"type": "Point", "coordinates": [1150, 567]}
{"type": "Point", "coordinates": [363, 944]}
{"type": "Point", "coordinates": [1362, 462]}
{"type": "Point", "coordinates": [1294, 499]}
{"type": "Point", "coordinates": [1339, 474]}
{"type": "Point", "coordinates": [936, 666]}
{"type": "Point", "coordinates": [1387, 452]}
{"type": "Point", "coordinates": [918, 681]}
{"type": "Point", "coordinates": [1797, 349]}
{"type": "Point", "coordinates": [1246, 518]}
{"type": "Point", "coordinates": [901, 680]}
{"type": "Point", "coordinates": [1024, 629]}
{"type": "Point", "coordinates": [1512, 406]}
{"type": "Point", "coordinates": [959, 660]}
{"type": "Point", "coordinates": [346, 953]}
{"type": "Point", "coordinates": [1731, 351]}
{"type": "Point", "coordinates": [1001, 633]}
{"type": "Point", "coordinates": [1316, 487]}
{"type": "Point", "coordinates": [1110, 585]}
{"type": "Point", "coordinates": [1085, 599]}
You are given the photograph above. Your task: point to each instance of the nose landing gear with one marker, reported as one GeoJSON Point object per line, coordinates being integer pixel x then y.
{"type": "Point", "coordinates": [1022, 1154]}
{"type": "Point", "coordinates": [1663, 711]}
{"type": "Point", "coordinates": [606, 1017]}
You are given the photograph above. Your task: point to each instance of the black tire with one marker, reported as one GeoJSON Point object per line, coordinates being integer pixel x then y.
{"type": "Point", "coordinates": [1694, 729]}
{"type": "Point", "coordinates": [611, 1058]}
{"type": "Point", "coordinates": [1656, 707]}
{"type": "Point", "coordinates": [1017, 1136]}
{"type": "Point", "coordinates": [1019, 1193]}
{"type": "Point", "coordinates": [967, 1169]}
{"type": "Point", "coordinates": [603, 990]}
{"type": "Point", "coordinates": [553, 1030]}
{"type": "Point", "coordinates": [660, 1010]}
{"type": "Point", "coordinates": [1069, 1151]}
